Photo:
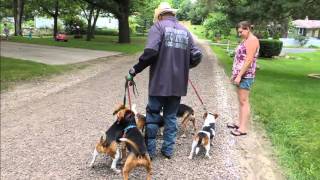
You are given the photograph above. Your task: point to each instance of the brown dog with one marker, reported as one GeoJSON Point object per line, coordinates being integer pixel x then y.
{"type": "Point", "coordinates": [138, 155]}
{"type": "Point", "coordinates": [185, 113]}
{"type": "Point", "coordinates": [109, 145]}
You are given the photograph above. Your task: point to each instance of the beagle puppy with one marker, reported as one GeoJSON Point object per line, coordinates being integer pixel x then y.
{"type": "Point", "coordinates": [205, 135]}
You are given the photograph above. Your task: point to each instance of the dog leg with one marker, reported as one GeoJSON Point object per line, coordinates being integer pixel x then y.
{"type": "Point", "coordinates": [128, 166]}
{"type": "Point", "coordinates": [194, 145]}
{"type": "Point", "coordinates": [148, 167]}
{"type": "Point", "coordinates": [194, 125]}
{"type": "Point", "coordinates": [185, 119]}
{"type": "Point", "coordinates": [114, 162]}
{"type": "Point", "coordinates": [94, 156]}
{"type": "Point", "coordinates": [207, 147]}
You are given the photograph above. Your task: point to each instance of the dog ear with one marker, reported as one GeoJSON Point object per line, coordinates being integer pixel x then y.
{"type": "Point", "coordinates": [118, 109]}
{"type": "Point", "coordinates": [215, 115]}
{"type": "Point", "coordinates": [128, 113]}
{"type": "Point", "coordinates": [205, 115]}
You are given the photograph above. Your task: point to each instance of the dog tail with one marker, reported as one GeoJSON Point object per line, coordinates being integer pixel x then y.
{"type": "Point", "coordinates": [131, 143]}
{"type": "Point", "coordinates": [201, 136]}
{"type": "Point", "coordinates": [198, 145]}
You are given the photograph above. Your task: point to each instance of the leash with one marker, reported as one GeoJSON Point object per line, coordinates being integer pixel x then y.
{"type": "Point", "coordinates": [195, 90]}
{"type": "Point", "coordinates": [127, 91]}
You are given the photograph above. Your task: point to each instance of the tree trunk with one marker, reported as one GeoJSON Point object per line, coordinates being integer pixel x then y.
{"type": "Point", "coordinates": [55, 19]}
{"type": "Point", "coordinates": [20, 14]}
{"type": "Point", "coordinates": [124, 31]}
{"type": "Point", "coordinates": [123, 18]}
{"type": "Point", "coordinates": [15, 13]}
{"type": "Point", "coordinates": [93, 27]}
{"type": "Point", "coordinates": [89, 23]}
{"type": "Point", "coordinates": [18, 6]}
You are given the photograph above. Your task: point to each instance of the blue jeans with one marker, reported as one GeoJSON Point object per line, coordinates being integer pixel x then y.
{"type": "Point", "coordinates": [169, 105]}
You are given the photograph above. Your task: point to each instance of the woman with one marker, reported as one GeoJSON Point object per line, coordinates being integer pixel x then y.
{"type": "Point", "coordinates": [243, 74]}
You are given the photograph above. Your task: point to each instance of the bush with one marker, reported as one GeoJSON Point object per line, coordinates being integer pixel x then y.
{"type": "Point", "coordinates": [301, 39]}
{"type": "Point", "coordinates": [71, 23]}
{"type": "Point", "coordinates": [107, 32]}
{"type": "Point", "coordinates": [216, 25]}
{"type": "Point", "coordinates": [270, 47]}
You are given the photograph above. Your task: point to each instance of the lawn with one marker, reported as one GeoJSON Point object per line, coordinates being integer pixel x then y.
{"type": "Point", "coordinates": [104, 43]}
{"type": "Point", "coordinates": [15, 70]}
{"type": "Point", "coordinates": [286, 101]}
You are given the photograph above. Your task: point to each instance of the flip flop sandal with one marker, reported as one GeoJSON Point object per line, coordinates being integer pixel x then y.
{"type": "Point", "coordinates": [236, 132]}
{"type": "Point", "coordinates": [232, 126]}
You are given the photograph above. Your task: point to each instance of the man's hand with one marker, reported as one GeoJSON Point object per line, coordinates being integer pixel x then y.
{"type": "Point", "coordinates": [130, 76]}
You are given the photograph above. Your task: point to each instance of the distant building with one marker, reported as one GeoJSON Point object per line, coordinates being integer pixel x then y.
{"type": "Point", "coordinates": [308, 28]}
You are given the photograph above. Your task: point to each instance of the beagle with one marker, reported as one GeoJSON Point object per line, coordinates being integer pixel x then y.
{"type": "Point", "coordinates": [109, 145]}
{"type": "Point", "coordinates": [138, 155]}
{"type": "Point", "coordinates": [205, 135]}
{"type": "Point", "coordinates": [185, 113]}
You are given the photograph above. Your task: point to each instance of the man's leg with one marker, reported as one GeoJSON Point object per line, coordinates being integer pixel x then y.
{"type": "Point", "coordinates": [152, 123]}
{"type": "Point", "coordinates": [170, 109]}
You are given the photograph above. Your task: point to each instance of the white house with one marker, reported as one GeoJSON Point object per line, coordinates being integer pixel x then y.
{"type": "Point", "coordinates": [308, 28]}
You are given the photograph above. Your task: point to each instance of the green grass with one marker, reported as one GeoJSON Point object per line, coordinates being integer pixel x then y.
{"type": "Point", "coordinates": [104, 43]}
{"type": "Point", "coordinates": [286, 101]}
{"type": "Point", "coordinates": [14, 71]}
{"type": "Point", "coordinates": [198, 30]}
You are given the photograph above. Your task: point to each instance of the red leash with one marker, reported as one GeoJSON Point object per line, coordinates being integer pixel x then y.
{"type": "Point", "coordinates": [129, 97]}
{"type": "Point", "coordinates": [195, 90]}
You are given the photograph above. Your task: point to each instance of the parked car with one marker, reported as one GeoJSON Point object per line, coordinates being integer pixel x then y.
{"type": "Point", "coordinates": [62, 37]}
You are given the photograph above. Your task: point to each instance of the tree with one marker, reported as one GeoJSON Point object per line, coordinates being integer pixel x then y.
{"type": "Point", "coordinates": [90, 11]}
{"type": "Point", "coordinates": [121, 9]}
{"type": "Point", "coordinates": [18, 7]}
{"type": "Point", "coordinates": [54, 8]}
{"type": "Point", "coordinates": [216, 24]}
{"type": "Point", "coordinates": [273, 15]}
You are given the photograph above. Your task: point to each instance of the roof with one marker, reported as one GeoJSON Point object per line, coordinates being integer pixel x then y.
{"type": "Point", "coordinates": [309, 24]}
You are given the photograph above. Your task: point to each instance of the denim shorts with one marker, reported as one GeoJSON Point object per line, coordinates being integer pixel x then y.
{"type": "Point", "coordinates": [246, 83]}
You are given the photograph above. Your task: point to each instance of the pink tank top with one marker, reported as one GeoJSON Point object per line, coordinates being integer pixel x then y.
{"type": "Point", "coordinates": [239, 60]}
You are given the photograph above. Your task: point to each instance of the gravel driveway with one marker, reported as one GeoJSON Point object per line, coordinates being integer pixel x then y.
{"type": "Point", "coordinates": [49, 129]}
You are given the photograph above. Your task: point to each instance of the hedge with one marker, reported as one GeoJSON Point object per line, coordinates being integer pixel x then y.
{"type": "Point", "coordinates": [270, 47]}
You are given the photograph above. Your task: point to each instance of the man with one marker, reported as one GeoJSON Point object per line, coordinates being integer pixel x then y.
{"type": "Point", "coordinates": [170, 52]}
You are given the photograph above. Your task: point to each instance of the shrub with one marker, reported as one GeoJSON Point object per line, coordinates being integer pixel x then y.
{"type": "Point", "coordinates": [71, 23]}
{"type": "Point", "coordinates": [270, 47]}
{"type": "Point", "coordinates": [301, 39]}
{"type": "Point", "coordinates": [216, 25]}
{"type": "Point", "coordinates": [105, 31]}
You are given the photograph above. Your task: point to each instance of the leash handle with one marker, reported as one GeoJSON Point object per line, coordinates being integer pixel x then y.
{"type": "Point", "coordinates": [195, 90]}
{"type": "Point", "coordinates": [127, 91]}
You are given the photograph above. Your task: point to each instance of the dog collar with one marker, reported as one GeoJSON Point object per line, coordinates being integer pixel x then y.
{"type": "Point", "coordinates": [129, 127]}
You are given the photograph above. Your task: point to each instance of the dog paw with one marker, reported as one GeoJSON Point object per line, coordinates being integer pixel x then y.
{"type": "Point", "coordinates": [116, 170]}
{"type": "Point", "coordinates": [91, 165]}
{"type": "Point", "coordinates": [209, 157]}
{"type": "Point", "coordinates": [189, 157]}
